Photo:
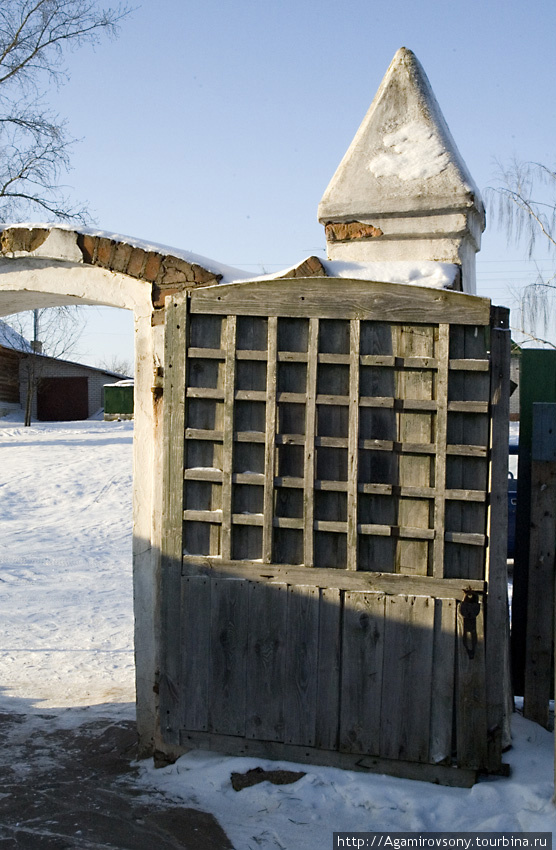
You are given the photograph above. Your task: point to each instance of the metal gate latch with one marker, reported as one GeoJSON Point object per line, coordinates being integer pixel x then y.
{"type": "Point", "coordinates": [469, 610]}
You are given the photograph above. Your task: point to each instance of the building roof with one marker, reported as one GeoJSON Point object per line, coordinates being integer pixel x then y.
{"type": "Point", "coordinates": [9, 338]}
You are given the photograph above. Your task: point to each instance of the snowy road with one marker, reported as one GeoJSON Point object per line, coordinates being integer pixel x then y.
{"type": "Point", "coordinates": [66, 643]}
{"type": "Point", "coordinates": [65, 564]}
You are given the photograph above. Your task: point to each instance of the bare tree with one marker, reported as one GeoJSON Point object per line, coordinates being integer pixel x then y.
{"type": "Point", "coordinates": [119, 365]}
{"type": "Point", "coordinates": [523, 202]}
{"type": "Point", "coordinates": [34, 142]}
{"type": "Point", "coordinates": [35, 145]}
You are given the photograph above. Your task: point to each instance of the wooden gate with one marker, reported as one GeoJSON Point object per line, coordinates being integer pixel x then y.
{"type": "Point", "coordinates": [335, 460]}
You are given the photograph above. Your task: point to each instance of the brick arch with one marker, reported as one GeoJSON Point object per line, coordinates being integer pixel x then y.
{"type": "Point", "coordinates": [164, 272]}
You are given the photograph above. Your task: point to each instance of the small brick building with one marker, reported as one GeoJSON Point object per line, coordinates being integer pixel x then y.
{"type": "Point", "coordinates": [65, 390]}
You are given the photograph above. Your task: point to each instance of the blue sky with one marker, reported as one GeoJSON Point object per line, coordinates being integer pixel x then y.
{"type": "Point", "coordinates": [215, 126]}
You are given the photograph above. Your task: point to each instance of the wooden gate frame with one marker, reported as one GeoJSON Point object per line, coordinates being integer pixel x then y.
{"type": "Point", "coordinates": [367, 301]}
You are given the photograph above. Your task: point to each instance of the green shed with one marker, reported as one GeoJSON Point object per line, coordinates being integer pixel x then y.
{"type": "Point", "coordinates": [118, 400]}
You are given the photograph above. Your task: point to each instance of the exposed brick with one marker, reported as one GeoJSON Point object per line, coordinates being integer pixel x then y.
{"type": "Point", "coordinates": [202, 275]}
{"type": "Point", "coordinates": [159, 293]}
{"type": "Point", "coordinates": [176, 271]}
{"type": "Point", "coordinates": [104, 252]}
{"type": "Point", "coordinates": [311, 267]}
{"type": "Point", "coordinates": [136, 262]}
{"type": "Point", "coordinates": [23, 239]}
{"type": "Point", "coordinates": [120, 260]}
{"type": "Point", "coordinates": [347, 231]}
{"type": "Point", "coordinates": [157, 318]}
{"type": "Point", "coordinates": [87, 245]}
{"type": "Point", "coordinates": [152, 266]}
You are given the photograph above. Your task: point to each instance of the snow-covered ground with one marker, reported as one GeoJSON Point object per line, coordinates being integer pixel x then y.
{"type": "Point", "coordinates": [66, 649]}
{"type": "Point", "coordinates": [65, 564]}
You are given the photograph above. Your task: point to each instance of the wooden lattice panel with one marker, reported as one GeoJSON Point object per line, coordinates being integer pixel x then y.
{"type": "Point", "coordinates": [336, 443]}
{"type": "Point", "coordinates": [334, 458]}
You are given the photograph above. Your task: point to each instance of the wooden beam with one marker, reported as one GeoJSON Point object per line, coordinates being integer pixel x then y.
{"type": "Point", "coordinates": [540, 597]}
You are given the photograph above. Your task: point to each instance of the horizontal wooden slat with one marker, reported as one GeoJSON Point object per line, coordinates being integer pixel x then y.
{"type": "Point", "coordinates": [203, 516]}
{"type": "Point", "coordinates": [439, 774]}
{"type": "Point", "coordinates": [256, 478]}
{"type": "Point", "coordinates": [247, 519]}
{"type": "Point", "coordinates": [340, 359]}
{"type": "Point", "coordinates": [332, 442]}
{"type": "Point", "coordinates": [329, 525]}
{"type": "Point", "coordinates": [391, 583]}
{"type": "Point", "coordinates": [467, 451]}
{"type": "Point", "coordinates": [341, 298]}
{"type": "Point", "coordinates": [404, 448]}
{"type": "Point", "coordinates": [205, 392]}
{"type": "Point", "coordinates": [207, 353]}
{"type": "Point", "coordinates": [290, 439]}
{"type": "Point", "coordinates": [465, 537]}
{"type": "Point", "coordinates": [422, 492]}
{"type": "Point", "coordinates": [202, 473]}
{"type": "Point", "coordinates": [396, 531]}
{"type": "Point", "coordinates": [332, 486]}
{"type": "Point", "coordinates": [292, 357]}
{"type": "Point", "coordinates": [398, 403]}
{"type": "Point", "coordinates": [466, 495]}
{"type": "Point", "coordinates": [288, 481]}
{"type": "Point", "coordinates": [250, 395]}
{"type": "Point", "coordinates": [470, 365]}
{"type": "Point", "coordinates": [468, 407]}
{"type": "Point", "coordinates": [333, 399]}
{"type": "Point", "coordinates": [287, 522]}
{"type": "Point", "coordinates": [251, 354]}
{"type": "Point", "coordinates": [203, 434]}
{"type": "Point", "coordinates": [291, 398]}
{"type": "Point", "coordinates": [249, 437]}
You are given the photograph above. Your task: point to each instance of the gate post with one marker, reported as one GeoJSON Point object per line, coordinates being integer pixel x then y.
{"type": "Point", "coordinates": [540, 598]}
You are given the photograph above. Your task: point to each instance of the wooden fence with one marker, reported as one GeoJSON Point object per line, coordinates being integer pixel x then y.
{"type": "Point", "coordinates": [335, 467]}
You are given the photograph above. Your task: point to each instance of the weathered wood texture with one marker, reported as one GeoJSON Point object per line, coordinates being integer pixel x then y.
{"type": "Point", "coordinates": [9, 375]}
{"type": "Point", "coordinates": [335, 503]}
{"type": "Point", "coordinates": [537, 384]}
{"type": "Point", "coordinates": [170, 685]}
{"type": "Point", "coordinates": [540, 602]}
{"type": "Point", "coordinates": [499, 689]}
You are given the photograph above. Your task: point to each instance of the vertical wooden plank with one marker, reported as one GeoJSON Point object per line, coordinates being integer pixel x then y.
{"type": "Point", "coordinates": [537, 383]}
{"type": "Point", "coordinates": [301, 665]}
{"type": "Point", "coordinates": [443, 673]}
{"type": "Point", "coordinates": [460, 560]}
{"type": "Point", "coordinates": [407, 678]}
{"type": "Point", "coordinates": [228, 637]}
{"type": "Point", "coordinates": [195, 649]}
{"type": "Point", "coordinates": [377, 553]}
{"type": "Point", "coordinates": [309, 459]}
{"type": "Point", "coordinates": [270, 439]}
{"type": "Point", "coordinates": [471, 721]}
{"type": "Point", "coordinates": [266, 655]}
{"type": "Point", "coordinates": [540, 609]}
{"type": "Point", "coordinates": [442, 355]}
{"type": "Point", "coordinates": [175, 346]}
{"type": "Point", "coordinates": [328, 676]}
{"type": "Point", "coordinates": [540, 597]}
{"type": "Point", "coordinates": [362, 666]}
{"type": "Point", "coordinates": [353, 444]}
{"type": "Point", "coordinates": [228, 441]}
{"type": "Point", "coordinates": [413, 556]}
{"type": "Point", "coordinates": [497, 650]}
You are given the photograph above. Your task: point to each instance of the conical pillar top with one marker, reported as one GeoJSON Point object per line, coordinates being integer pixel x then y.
{"type": "Point", "coordinates": [403, 157]}
{"type": "Point", "coordinates": [402, 190]}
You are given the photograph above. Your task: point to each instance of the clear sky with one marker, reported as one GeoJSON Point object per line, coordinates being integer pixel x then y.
{"type": "Point", "coordinates": [216, 125]}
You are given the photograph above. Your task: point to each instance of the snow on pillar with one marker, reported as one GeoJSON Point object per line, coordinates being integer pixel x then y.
{"type": "Point", "coordinates": [402, 190]}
